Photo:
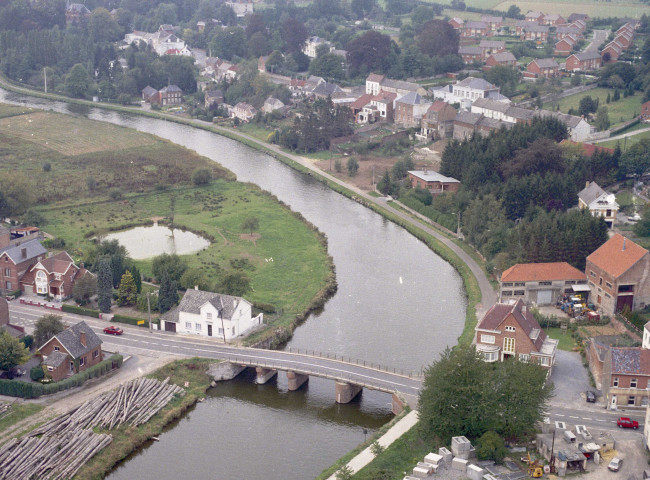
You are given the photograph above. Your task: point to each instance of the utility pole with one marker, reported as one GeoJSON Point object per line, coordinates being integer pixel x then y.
{"type": "Point", "coordinates": [149, 310]}
{"type": "Point", "coordinates": [45, 75]}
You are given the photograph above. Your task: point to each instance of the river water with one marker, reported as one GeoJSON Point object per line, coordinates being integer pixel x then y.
{"type": "Point", "coordinates": [398, 304]}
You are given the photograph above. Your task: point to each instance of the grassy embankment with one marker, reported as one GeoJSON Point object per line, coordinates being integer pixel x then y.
{"type": "Point", "coordinates": [619, 112]}
{"type": "Point", "coordinates": [127, 439]}
{"type": "Point", "coordinates": [301, 273]}
{"type": "Point", "coordinates": [17, 413]}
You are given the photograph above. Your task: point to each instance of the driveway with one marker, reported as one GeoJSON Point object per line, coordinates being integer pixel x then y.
{"type": "Point", "coordinates": [571, 380]}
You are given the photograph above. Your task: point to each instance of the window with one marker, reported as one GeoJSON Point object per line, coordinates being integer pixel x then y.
{"type": "Point", "coordinates": [208, 315]}
{"type": "Point", "coordinates": [490, 356]}
{"type": "Point", "coordinates": [601, 281]}
{"type": "Point", "coordinates": [631, 400]}
{"type": "Point", "coordinates": [592, 273]}
{"type": "Point", "coordinates": [524, 357]}
{"type": "Point", "coordinates": [519, 292]}
{"type": "Point", "coordinates": [570, 282]}
{"type": "Point", "coordinates": [197, 327]}
{"type": "Point", "coordinates": [509, 345]}
{"type": "Point", "coordinates": [188, 325]}
{"type": "Point", "coordinates": [609, 285]}
{"type": "Point", "coordinates": [510, 328]}
{"type": "Point", "coordinates": [592, 284]}
{"type": "Point", "coordinates": [487, 338]}
{"type": "Point", "coordinates": [56, 348]}
{"type": "Point", "coordinates": [50, 369]}
{"type": "Point", "coordinates": [9, 285]}
{"type": "Point", "coordinates": [633, 383]}
{"type": "Point", "coordinates": [520, 284]}
{"type": "Point", "coordinates": [7, 272]}
{"type": "Point", "coordinates": [625, 288]}
{"type": "Point", "coordinates": [607, 295]}
{"type": "Point", "coordinates": [546, 283]}
{"type": "Point", "coordinates": [82, 361]}
{"type": "Point", "coordinates": [615, 382]}
{"type": "Point", "coordinates": [57, 276]}
{"type": "Point", "coordinates": [644, 401]}
{"type": "Point", "coordinates": [507, 284]}
{"type": "Point", "coordinates": [506, 293]}
{"type": "Point", "coordinates": [545, 361]}
{"type": "Point", "coordinates": [96, 353]}
{"type": "Point", "coordinates": [220, 331]}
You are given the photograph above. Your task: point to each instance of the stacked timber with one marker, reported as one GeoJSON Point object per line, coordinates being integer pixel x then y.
{"type": "Point", "coordinates": [59, 448]}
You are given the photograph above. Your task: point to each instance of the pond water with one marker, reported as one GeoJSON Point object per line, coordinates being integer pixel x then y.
{"type": "Point", "coordinates": [151, 241]}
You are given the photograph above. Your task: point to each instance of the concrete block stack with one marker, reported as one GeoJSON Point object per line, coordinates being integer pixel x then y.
{"type": "Point", "coordinates": [474, 472]}
{"type": "Point", "coordinates": [459, 464]}
{"type": "Point", "coordinates": [461, 448]}
{"type": "Point", "coordinates": [434, 459]}
{"type": "Point", "coordinates": [446, 455]}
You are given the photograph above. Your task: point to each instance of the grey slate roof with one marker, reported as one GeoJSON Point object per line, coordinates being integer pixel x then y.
{"type": "Point", "coordinates": [410, 98]}
{"type": "Point", "coordinates": [491, 105]}
{"type": "Point", "coordinates": [630, 361]}
{"type": "Point", "coordinates": [55, 359]}
{"type": "Point", "coordinates": [326, 89]}
{"type": "Point", "coordinates": [477, 83]}
{"type": "Point", "coordinates": [536, 28]}
{"type": "Point", "coordinates": [148, 91]}
{"type": "Point", "coordinates": [400, 84]}
{"type": "Point", "coordinates": [504, 57]}
{"type": "Point", "coordinates": [468, 118]}
{"type": "Point", "coordinates": [193, 300]}
{"type": "Point", "coordinates": [171, 88]}
{"type": "Point", "coordinates": [591, 193]}
{"type": "Point", "coordinates": [546, 63]}
{"type": "Point", "coordinates": [470, 50]}
{"type": "Point", "coordinates": [492, 44]}
{"type": "Point", "coordinates": [582, 56]}
{"type": "Point", "coordinates": [34, 249]}
{"type": "Point", "coordinates": [70, 338]}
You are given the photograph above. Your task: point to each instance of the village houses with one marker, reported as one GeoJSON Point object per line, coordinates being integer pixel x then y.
{"type": "Point", "coordinates": [435, 182]}
{"type": "Point", "coordinates": [74, 350]}
{"type": "Point", "coordinates": [598, 202]}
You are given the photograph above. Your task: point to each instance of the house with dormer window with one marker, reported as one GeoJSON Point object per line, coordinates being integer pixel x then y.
{"type": "Point", "coordinates": [53, 276]}
{"type": "Point", "coordinates": [72, 351]}
{"type": "Point", "coordinates": [511, 331]}
{"type": "Point", "coordinates": [211, 315]}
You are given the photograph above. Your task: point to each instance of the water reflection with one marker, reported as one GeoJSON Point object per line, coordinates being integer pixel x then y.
{"type": "Point", "coordinates": [150, 241]}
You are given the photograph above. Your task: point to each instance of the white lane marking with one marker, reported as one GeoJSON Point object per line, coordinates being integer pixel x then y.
{"type": "Point", "coordinates": [573, 416]}
{"type": "Point", "coordinates": [560, 415]}
{"type": "Point", "coordinates": [586, 418]}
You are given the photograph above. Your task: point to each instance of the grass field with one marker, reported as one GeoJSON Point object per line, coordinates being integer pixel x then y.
{"type": "Point", "coordinates": [152, 175]}
{"type": "Point", "coordinates": [594, 8]}
{"type": "Point", "coordinates": [17, 413]}
{"type": "Point", "coordinates": [623, 110]}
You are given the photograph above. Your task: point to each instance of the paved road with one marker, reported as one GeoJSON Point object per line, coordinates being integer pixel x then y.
{"type": "Point", "coordinates": [621, 137]}
{"type": "Point", "coordinates": [156, 343]}
{"type": "Point", "coordinates": [598, 37]}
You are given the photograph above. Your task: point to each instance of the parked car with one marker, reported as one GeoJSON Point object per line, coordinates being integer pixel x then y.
{"type": "Point", "coordinates": [590, 396]}
{"type": "Point", "coordinates": [112, 330]}
{"type": "Point", "coordinates": [625, 422]}
{"type": "Point", "coordinates": [615, 464]}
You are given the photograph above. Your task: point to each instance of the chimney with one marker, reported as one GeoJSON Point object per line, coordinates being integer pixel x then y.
{"type": "Point", "coordinates": [23, 252]}
{"type": "Point", "coordinates": [586, 184]}
{"type": "Point", "coordinates": [624, 243]}
{"type": "Point", "coordinates": [82, 338]}
{"type": "Point", "coordinates": [196, 287]}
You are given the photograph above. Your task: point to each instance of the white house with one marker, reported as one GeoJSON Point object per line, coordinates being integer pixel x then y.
{"type": "Point", "coordinates": [466, 91]}
{"type": "Point", "coordinates": [211, 315]}
{"type": "Point", "coordinates": [312, 44]}
{"type": "Point", "coordinates": [599, 202]}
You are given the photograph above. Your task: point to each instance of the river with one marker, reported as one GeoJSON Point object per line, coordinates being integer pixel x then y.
{"type": "Point", "coordinates": [398, 304]}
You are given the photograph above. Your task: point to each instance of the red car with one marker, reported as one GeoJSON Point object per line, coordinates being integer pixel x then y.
{"type": "Point", "coordinates": [113, 330]}
{"type": "Point", "coordinates": [625, 422]}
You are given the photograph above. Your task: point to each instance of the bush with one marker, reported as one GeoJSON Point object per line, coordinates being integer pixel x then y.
{"type": "Point", "coordinates": [47, 167]}
{"type": "Point", "coordinates": [265, 307]}
{"type": "Point", "coordinates": [81, 311]}
{"type": "Point", "coordinates": [129, 320]}
{"type": "Point", "coordinates": [115, 194]}
{"type": "Point", "coordinates": [491, 447]}
{"type": "Point", "coordinates": [27, 340]}
{"type": "Point", "coordinates": [202, 176]}
{"type": "Point", "coordinates": [53, 242]}
{"type": "Point", "coordinates": [36, 373]}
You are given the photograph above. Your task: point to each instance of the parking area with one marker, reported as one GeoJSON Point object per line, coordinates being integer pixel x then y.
{"type": "Point", "coordinates": [571, 381]}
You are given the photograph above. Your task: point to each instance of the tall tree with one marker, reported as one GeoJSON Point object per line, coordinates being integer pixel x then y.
{"type": "Point", "coordinates": [12, 351]}
{"type": "Point", "coordinates": [104, 284]}
{"type": "Point", "coordinates": [46, 327]}
{"type": "Point", "coordinates": [84, 288]}
{"type": "Point", "coordinates": [437, 39]}
{"type": "Point", "coordinates": [77, 81]}
{"type": "Point", "coordinates": [370, 52]}
{"type": "Point", "coordinates": [251, 224]}
{"type": "Point", "coordinates": [127, 291]}
{"type": "Point", "coordinates": [167, 294]}
{"type": "Point", "coordinates": [294, 33]}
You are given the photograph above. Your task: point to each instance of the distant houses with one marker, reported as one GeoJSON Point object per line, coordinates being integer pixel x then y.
{"type": "Point", "coordinates": [598, 202]}
{"type": "Point", "coordinates": [169, 95]}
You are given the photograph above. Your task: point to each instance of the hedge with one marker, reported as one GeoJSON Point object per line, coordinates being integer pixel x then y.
{"type": "Point", "coordinates": [81, 311]}
{"type": "Point", "coordinates": [130, 320]}
{"type": "Point", "coordinates": [16, 388]}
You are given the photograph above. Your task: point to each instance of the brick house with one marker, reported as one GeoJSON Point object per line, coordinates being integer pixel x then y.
{"type": "Point", "coordinates": [438, 122]}
{"type": "Point", "coordinates": [72, 351]}
{"type": "Point", "coordinates": [577, 16]}
{"type": "Point", "coordinates": [626, 371]}
{"type": "Point", "coordinates": [598, 202]}
{"type": "Point", "coordinates": [475, 29]}
{"type": "Point", "coordinates": [433, 181]}
{"type": "Point", "coordinates": [625, 39]}
{"type": "Point", "coordinates": [53, 276]}
{"type": "Point", "coordinates": [457, 23]}
{"type": "Point", "coordinates": [552, 19]}
{"type": "Point", "coordinates": [534, 17]}
{"type": "Point", "coordinates": [611, 52]}
{"type": "Point", "coordinates": [645, 111]}
{"type": "Point", "coordinates": [492, 46]}
{"type": "Point", "coordinates": [468, 123]}
{"type": "Point", "coordinates": [493, 23]}
{"type": "Point", "coordinates": [583, 61]}
{"type": "Point", "coordinates": [536, 33]}
{"type": "Point", "coordinates": [150, 94]}
{"type": "Point", "coordinates": [213, 98]}
{"type": "Point", "coordinates": [617, 274]}
{"type": "Point", "coordinates": [410, 109]}
{"type": "Point", "coordinates": [564, 46]}
{"type": "Point", "coordinates": [511, 331]}
{"type": "Point", "coordinates": [506, 59]}
{"type": "Point", "coordinates": [76, 13]}
{"type": "Point", "coordinates": [540, 283]}
{"type": "Point", "coordinates": [170, 95]}
{"type": "Point", "coordinates": [15, 260]}
{"type": "Point", "coordinates": [542, 67]}
{"type": "Point", "coordinates": [470, 54]}
{"type": "Point", "coordinates": [565, 31]}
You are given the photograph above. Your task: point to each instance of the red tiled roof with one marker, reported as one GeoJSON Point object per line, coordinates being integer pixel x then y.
{"type": "Point", "coordinates": [615, 260]}
{"type": "Point", "coordinates": [59, 263]}
{"type": "Point", "coordinates": [500, 311]}
{"type": "Point", "coordinates": [382, 95]}
{"type": "Point", "coordinates": [374, 77]}
{"type": "Point", "coordinates": [437, 106]}
{"type": "Point", "coordinates": [587, 148]}
{"type": "Point", "coordinates": [540, 272]}
{"type": "Point", "coordinates": [362, 101]}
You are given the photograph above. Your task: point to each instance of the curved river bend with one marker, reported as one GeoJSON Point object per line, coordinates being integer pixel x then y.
{"type": "Point", "coordinates": [398, 304]}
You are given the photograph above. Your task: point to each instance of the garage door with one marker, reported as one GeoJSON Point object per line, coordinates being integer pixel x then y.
{"type": "Point", "coordinates": [170, 327]}
{"type": "Point", "coordinates": [544, 297]}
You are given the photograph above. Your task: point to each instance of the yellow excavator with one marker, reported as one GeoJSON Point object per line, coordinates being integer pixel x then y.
{"type": "Point", "coordinates": [535, 470]}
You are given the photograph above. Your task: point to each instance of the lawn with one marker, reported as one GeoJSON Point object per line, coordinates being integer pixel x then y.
{"type": "Point", "coordinates": [595, 8]}
{"type": "Point", "coordinates": [18, 412]}
{"type": "Point", "coordinates": [564, 336]}
{"type": "Point", "coordinates": [623, 110]}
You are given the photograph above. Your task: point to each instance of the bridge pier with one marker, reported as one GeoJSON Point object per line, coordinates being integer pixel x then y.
{"type": "Point", "coordinates": [398, 404]}
{"type": "Point", "coordinates": [296, 380]}
{"type": "Point", "coordinates": [346, 392]}
{"type": "Point", "coordinates": [264, 375]}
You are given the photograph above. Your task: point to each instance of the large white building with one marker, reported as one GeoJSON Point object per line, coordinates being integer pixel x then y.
{"type": "Point", "coordinates": [467, 91]}
{"type": "Point", "coordinates": [211, 315]}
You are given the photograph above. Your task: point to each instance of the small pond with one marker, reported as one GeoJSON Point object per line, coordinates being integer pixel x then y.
{"type": "Point", "coordinates": [151, 241]}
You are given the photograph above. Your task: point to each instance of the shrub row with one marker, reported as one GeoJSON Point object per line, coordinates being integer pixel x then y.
{"type": "Point", "coordinates": [88, 312]}
{"type": "Point", "coordinates": [130, 320]}
{"type": "Point", "coordinates": [446, 220]}
{"type": "Point", "coordinates": [16, 388]}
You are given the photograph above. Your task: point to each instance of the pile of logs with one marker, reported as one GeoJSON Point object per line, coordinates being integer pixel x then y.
{"type": "Point", "coordinates": [60, 447]}
{"type": "Point", "coordinates": [4, 409]}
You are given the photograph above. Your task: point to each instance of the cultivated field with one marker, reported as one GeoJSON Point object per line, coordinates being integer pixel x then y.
{"type": "Point", "coordinates": [621, 111]}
